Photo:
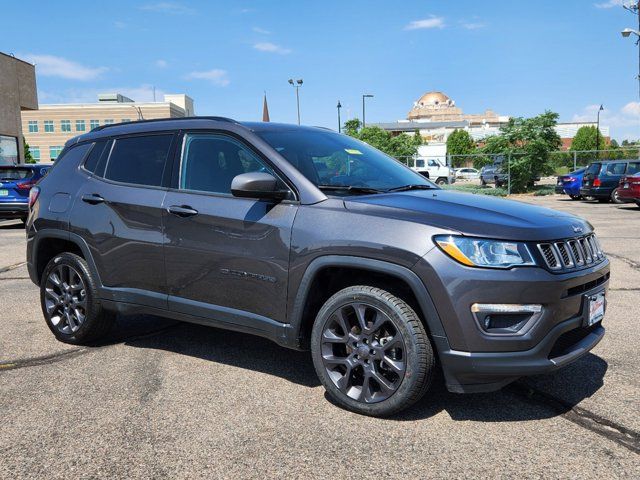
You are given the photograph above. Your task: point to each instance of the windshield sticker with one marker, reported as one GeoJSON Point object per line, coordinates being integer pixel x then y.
{"type": "Point", "coordinates": [353, 151]}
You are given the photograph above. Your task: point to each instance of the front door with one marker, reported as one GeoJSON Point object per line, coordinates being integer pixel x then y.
{"type": "Point", "coordinates": [227, 258]}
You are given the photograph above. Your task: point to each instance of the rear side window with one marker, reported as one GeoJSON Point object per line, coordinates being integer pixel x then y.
{"type": "Point", "coordinates": [94, 157]}
{"type": "Point", "coordinates": [139, 160]}
{"type": "Point", "coordinates": [593, 169]}
{"type": "Point", "coordinates": [633, 168]}
{"type": "Point", "coordinates": [616, 168]}
{"type": "Point", "coordinates": [15, 173]}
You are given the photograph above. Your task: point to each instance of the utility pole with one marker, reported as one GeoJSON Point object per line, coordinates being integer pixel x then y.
{"type": "Point", "coordinates": [598, 133]}
{"type": "Point", "coordinates": [339, 106]}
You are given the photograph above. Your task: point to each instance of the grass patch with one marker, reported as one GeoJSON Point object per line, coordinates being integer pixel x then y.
{"type": "Point", "coordinates": [478, 189]}
{"type": "Point", "coordinates": [542, 190]}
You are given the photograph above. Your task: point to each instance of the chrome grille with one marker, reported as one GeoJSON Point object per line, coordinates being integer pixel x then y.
{"type": "Point", "coordinates": [573, 253]}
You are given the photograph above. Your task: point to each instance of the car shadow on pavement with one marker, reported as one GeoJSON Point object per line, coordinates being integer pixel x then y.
{"type": "Point", "coordinates": [530, 398]}
{"type": "Point", "coordinates": [229, 348]}
{"type": "Point", "coordinates": [17, 225]}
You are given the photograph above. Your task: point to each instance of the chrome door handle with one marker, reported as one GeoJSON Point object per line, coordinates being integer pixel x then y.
{"type": "Point", "coordinates": [93, 199]}
{"type": "Point", "coordinates": [182, 211]}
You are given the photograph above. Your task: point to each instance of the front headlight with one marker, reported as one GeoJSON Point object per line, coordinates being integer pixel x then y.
{"type": "Point", "coordinates": [480, 252]}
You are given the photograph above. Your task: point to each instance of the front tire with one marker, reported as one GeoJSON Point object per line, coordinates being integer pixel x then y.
{"type": "Point", "coordinates": [371, 351]}
{"type": "Point", "coordinates": [70, 302]}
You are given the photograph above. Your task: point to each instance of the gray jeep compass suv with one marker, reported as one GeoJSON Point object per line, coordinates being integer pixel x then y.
{"type": "Point", "coordinates": [316, 241]}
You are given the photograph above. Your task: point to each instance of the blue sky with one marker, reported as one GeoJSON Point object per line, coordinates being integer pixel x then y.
{"type": "Point", "coordinates": [515, 57]}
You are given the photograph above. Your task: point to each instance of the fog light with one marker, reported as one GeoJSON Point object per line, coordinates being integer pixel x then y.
{"type": "Point", "coordinates": [504, 318]}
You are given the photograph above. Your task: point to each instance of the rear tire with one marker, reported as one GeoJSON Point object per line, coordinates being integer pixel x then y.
{"type": "Point", "coordinates": [575, 197]}
{"type": "Point", "coordinates": [371, 351]}
{"type": "Point", "coordinates": [615, 196]}
{"type": "Point", "coordinates": [70, 302]}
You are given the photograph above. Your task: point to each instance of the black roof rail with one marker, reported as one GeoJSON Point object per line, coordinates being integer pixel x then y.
{"type": "Point", "coordinates": [218, 119]}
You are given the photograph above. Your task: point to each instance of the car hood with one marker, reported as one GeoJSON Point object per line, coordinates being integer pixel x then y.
{"type": "Point", "coordinates": [469, 214]}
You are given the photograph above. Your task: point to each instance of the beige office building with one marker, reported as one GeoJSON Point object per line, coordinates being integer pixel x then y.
{"type": "Point", "coordinates": [17, 93]}
{"type": "Point", "coordinates": [48, 128]}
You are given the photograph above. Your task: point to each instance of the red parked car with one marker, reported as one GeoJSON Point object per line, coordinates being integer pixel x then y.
{"type": "Point", "coordinates": [629, 188]}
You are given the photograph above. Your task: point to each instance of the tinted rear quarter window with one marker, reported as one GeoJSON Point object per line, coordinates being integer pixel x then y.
{"type": "Point", "coordinates": [139, 160]}
{"type": "Point", "coordinates": [94, 157]}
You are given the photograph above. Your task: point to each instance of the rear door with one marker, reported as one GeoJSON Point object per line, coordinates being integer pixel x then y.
{"type": "Point", "coordinates": [118, 212]}
{"type": "Point", "coordinates": [227, 258]}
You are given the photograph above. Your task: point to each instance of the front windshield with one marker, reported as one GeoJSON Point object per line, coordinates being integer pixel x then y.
{"type": "Point", "coordinates": [341, 163]}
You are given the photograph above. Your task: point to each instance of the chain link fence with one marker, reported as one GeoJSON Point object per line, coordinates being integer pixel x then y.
{"type": "Point", "coordinates": [496, 168]}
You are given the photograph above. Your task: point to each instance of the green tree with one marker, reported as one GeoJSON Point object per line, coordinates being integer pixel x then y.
{"type": "Point", "coordinates": [459, 143]}
{"type": "Point", "coordinates": [585, 139]}
{"type": "Point", "coordinates": [399, 146]}
{"type": "Point", "coordinates": [28, 158]}
{"type": "Point", "coordinates": [527, 143]}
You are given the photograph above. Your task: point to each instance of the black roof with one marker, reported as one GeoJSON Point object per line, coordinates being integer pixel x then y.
{"type": "Point", "coordinates": [161, 124]}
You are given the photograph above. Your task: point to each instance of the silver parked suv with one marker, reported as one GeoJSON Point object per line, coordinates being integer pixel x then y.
{"type": "Point", "coordinates": [313, 240]}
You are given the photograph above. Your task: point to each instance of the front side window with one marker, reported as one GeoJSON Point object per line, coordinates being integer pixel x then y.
{"type": "Point", "coordinates": [48, 126]}
{"type": "Point", "coordinates": [35, 153]}
{"type": "Point", "coordinates": [139, 160]}
{"type": "Point", "coordinates": [94, 124]}
{"type": "Point", "coordinates": [210, 162]}
{"type": "Point", "coordinates": [333, 161]}
{"type": "Point", "coordinates": [54, 152]}
{"type": "Point", "coordinates": [65, 125]}
{"type": "Point", "coordinates": [33, 126]}
{"type": "Point", "coordinates": [8, 150]}
{"type": "Point", "coordinates": [80, 127]}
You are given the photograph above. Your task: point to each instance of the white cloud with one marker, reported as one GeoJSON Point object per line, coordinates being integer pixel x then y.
{"type": "Point", "coordinates": [609, 4]}
{"type": "Point", "coordinates": [171, 8]}
{"type": "Point", "coordinates": [431, 22]}
{"type": "Point", "coordinates": [261, 30]}
{"type": "Point", "coordinates": [120, 24]}
{"type": "Point", "coordinates": [215, 76]}
{"type": "Point", "coordinates": [271, 47]}
{"type": "Point", "coordinates": [52, 66]}
{"type": "Point", "coordinates": [473, 25]}
{"type": "Point", "coordinates": [161, 63]}
{"type": "Point", "coordinates": [624, 123]}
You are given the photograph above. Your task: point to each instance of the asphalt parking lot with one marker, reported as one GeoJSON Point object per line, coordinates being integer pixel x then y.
{"type": "Point", "coordinates": [165, 399]}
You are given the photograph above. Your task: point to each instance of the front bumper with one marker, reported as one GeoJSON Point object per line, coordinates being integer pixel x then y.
{"type": "Point", "coordinates": [475, 361]}
{"type": "Point", "coordinates": [14, 209]}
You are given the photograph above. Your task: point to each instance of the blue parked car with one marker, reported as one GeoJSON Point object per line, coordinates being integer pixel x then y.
{"type": "Point", "coordinates": [570, 184]}
{"type": "Point", "coordinates": [15, 184]}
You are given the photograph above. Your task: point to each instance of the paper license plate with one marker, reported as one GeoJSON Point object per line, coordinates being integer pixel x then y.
{"type": "Point", "coordinates": [4, 193]}
{"type": "Point", "coordinates": [596, 308]}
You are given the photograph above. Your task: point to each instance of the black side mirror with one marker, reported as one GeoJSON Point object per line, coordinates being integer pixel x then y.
{"type": "Point", "coordinates": [257, 185]}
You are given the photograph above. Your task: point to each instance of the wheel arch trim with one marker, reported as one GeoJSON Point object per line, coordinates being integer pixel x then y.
{"type": "Point", "coordinates": [416, 285]}
{"type": "Point", "coordinates": [50, 233]}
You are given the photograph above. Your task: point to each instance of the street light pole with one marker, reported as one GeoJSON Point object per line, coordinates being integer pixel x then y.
{"type": "Point", "coordinates": [297, 84]}
{"type": "Point", "coordinates": [366, 95]}
{"type": "Point", "coordinates": [635, 9]}
{"type": "Point", "coordinates": [598, 133]}
{"type": "Point", "coordinates": [339, 106]}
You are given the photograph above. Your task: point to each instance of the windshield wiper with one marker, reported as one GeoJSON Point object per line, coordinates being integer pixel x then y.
{"type": "Point", "coordinates": [350, 188]}
{"type": "Point", "coordinates": [404, 188]}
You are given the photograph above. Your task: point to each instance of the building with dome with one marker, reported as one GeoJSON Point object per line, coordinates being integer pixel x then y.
{"type": "Point", "coordinates": [435, 116]}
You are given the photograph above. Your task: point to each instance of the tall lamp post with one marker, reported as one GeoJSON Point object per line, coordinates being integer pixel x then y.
{"type": "Point", "coordinates": [339, 106]}
{"type": "Point", "coordinates": [635, 9]}
{"type": "Point", "coordinates": [598, 132]}
{"type": "Point", "coordinates": [366, 95]}
{"type": "Point", "coordinates": [297, 84]}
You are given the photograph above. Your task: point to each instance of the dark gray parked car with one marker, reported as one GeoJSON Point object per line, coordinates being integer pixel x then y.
{"type": "Point", "coordinates": [313, 240]}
